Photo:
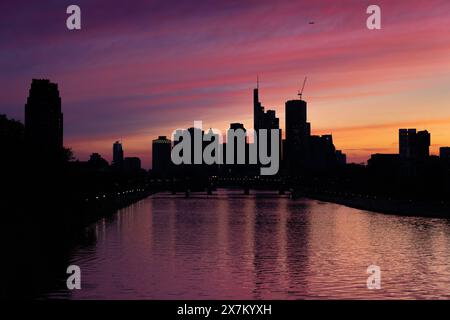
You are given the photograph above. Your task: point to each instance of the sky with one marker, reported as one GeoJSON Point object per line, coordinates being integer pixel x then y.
{"type": "Point", "coordinates": [139, 69]}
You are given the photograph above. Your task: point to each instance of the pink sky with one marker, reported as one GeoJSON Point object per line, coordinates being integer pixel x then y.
{"type": "Point", "coordinates": [138, 70]}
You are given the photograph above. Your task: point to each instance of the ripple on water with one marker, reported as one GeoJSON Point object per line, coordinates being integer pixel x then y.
{"type": "Point", "coordinates": [259, 246]}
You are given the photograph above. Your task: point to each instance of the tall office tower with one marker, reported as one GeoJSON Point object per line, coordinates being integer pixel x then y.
{"type": "Point", "coordinates": [161, 160]}
{"type": "Point", "coordinates": [117, 155]}
{"type": "Point", "coordinates": [261, 119]}
{"type": "Point", "coordinates": [423, 144]}
{"type": "Point", "coordinates": [265, 120]}
{"type": "Point", "coordinates": [44, 119]}
{"type": "Point", "coordinates": [298, 133]}
{"type": "Point", "coordinates": [407, 142]}
{"type": "Point", "coordinates": [413, 144]}
{"type": "Point", "coordinates": [297, 128]}
{"type": "Point", "coordinates": [258, 110]}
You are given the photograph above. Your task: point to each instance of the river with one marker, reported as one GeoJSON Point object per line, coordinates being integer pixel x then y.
{"type": "Point", "coordinates": [259, 246]}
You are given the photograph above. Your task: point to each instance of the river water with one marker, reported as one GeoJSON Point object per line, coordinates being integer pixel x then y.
{"type": "Point", "coordinates": [259, 246]}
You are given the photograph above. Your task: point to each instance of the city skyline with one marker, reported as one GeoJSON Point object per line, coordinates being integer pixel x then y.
{"type": "Point", "coordinates": [205, 152]}
{"type": "Point", "coordinates": [43, 130]}
{"type": "Point", "coordinates": [363, 85]}
{"type": "Point", "coordinates": [269, 120]}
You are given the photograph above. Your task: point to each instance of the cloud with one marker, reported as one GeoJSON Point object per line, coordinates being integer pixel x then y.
{"type": "Point", "coordinates": [144, 67]}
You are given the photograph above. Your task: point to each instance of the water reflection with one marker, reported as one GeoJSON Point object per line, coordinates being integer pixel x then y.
{"type": "Point", "coordinates": [259, 246]}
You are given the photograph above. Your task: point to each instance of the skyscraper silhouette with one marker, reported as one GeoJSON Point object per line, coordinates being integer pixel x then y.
{"type": "Point", "coordinates": [413, 144]}
{"type": "Point", "coordinates": [161, 160]}
{"type": "Point", "coordinates": [423, 144]}
{"type": "Point", "coordinates": [44, 119]}
{"type": "Point", "coordinates": [261, 119]}
{"type": "Point", "coordinates": [117, 155]}
{"type": "Point", "coordinates": [304, 152]}
{"type": "Point", "coordinates": [298, 132]}
{"type": "Point", "coordinates": [258, 109]}
{"type": "Point", "coordinates": [265, 120]}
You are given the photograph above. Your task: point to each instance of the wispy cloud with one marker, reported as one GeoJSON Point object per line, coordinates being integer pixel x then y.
{"type": "Point", "coordinates": [138, 69]}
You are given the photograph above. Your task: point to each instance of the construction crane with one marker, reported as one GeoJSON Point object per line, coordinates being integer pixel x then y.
{"type": "Point", "coordinates": [300, 93]}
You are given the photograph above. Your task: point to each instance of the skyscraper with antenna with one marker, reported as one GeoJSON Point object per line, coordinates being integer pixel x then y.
{"type": "Point", "coordinates": [305, 152]}
{"type": "Point", "coordinates": [258, 109]}
{"type": "Point", "coordinates": [264, 119]}
{"type": "Point", "coordinates": [261, 119]}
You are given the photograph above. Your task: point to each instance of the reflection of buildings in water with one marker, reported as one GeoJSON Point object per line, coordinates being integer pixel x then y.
{"type": "Point", "coordinates": [266, 247]}
{"type": "Point", "coordinates": [297, 253]}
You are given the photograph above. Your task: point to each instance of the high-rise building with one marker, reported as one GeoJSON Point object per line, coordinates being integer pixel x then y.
{"type": "Point", "coordinates": [44, 119]}
{"type": "Point", "coordinates": [302, 151]}
{"type": "Point", "coordinates": [265, 120]}
{"type": "Point", "coordinates": [406, 140]}
{"type": "Point", "coordinates": [261, 119]}
{"type": "Point", "coordinates": [423, 144]}
{"type": "Point", "coordinates": [298, 133]}
{"type": "Point", "coordinates": [298, 130]}
{"type": "Point", "coordinates": [413, 144]}
{"type": "Point", "coordinates": [258, 110]}
{"type": "Point", "coordinates": [117, 155]}
{"type": "Point", "coordinates": [161, 160]}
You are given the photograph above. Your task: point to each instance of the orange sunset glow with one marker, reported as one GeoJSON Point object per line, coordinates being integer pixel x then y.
{"type": "Point", "coordinates": [139, 75]}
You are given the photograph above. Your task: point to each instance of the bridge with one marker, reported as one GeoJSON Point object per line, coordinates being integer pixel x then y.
{"type": "Point", "coordinates": [210, 184]}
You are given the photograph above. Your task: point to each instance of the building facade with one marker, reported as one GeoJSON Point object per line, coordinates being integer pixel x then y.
{"type": "Point", "coordinates": [44, 119]}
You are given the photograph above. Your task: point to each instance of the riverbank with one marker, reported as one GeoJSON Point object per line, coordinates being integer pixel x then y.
{"type": "Point", "coordinates": [260, 246]}
{"type": "Point", "coordinates": [97, 208]}
{"type": "Point", "coordinates": [383, 205]}
{"type": "Point", "coordinates": [37, 245]}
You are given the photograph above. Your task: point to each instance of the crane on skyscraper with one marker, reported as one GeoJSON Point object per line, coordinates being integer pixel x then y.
{"type": "Point", "coordinates": [300, 93]}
